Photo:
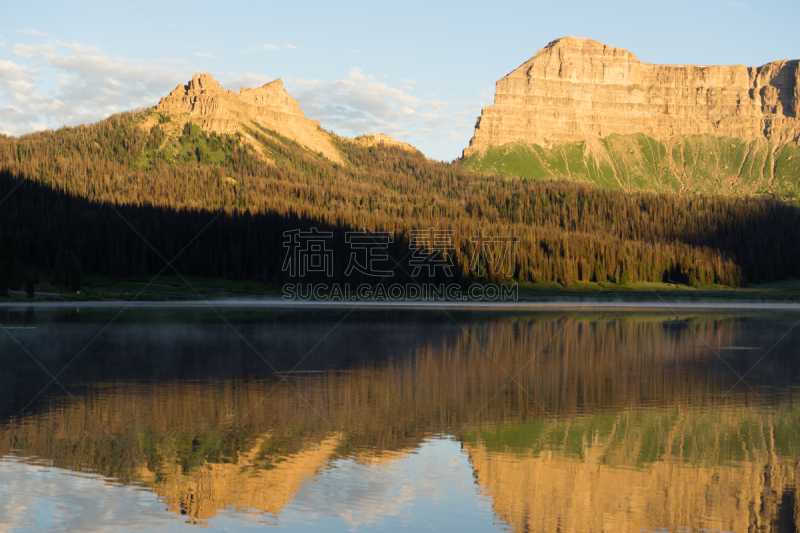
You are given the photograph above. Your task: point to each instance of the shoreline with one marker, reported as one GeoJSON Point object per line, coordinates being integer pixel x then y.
{"type": "Point", "coordinates": [171, 291]}
{"type": "Point", "coordinates": [272, 303]}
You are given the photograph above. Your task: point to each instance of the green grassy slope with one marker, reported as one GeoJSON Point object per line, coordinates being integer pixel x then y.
{"type": "Point", "coordinates": [690, 163]}
{"type": "Point", "coordinates": [639, 438]}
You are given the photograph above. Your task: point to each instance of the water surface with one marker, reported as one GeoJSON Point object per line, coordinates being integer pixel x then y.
{"type": "Point", "coordinates": [347, 420]}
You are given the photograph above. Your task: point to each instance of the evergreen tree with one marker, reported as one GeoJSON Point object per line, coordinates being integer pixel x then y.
{"type": "Point", "coordinates": [7, 275]}
{"type": "Point", "coordinates": [567, 232]}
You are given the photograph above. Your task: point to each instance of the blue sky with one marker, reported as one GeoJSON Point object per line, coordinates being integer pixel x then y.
{"type": "Point", "coordinates": [417, 70]}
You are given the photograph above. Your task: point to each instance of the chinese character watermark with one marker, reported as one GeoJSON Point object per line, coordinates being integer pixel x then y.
{"type": "Point", "coordinates": [367, 250]}
{"type": "Point", "coordinates": [431, 250]}
{"type": "Point", "coordinates": [493, 253]}
{"type": "Point", "coordinates": [307, 251]}
{"type": "Point", "coordinates": [370, 254]}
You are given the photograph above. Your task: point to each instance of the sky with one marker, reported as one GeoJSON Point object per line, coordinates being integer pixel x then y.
{"type": "Point", "coordinates": [420, 71]}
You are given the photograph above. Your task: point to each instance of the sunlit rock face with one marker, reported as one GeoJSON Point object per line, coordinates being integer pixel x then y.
{"type": "Point", "coordinates": [593, 482]}
{"type": "Point", "coordinates": [246, 484]}
{"type": "Point", "coordinates": [220, 110]}
{"type": "Point", "coordinates": [576, 89]}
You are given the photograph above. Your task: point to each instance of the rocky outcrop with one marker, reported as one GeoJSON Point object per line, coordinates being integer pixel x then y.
{"type": "Point", "coordinates": [243, 485]}
{"type": "Point", "coordinates": [220, 110]}
{"type": "Point", "coordinates": [576, 89]}
{"type": "Point", "coordinates": [380, 138]}
{"type": "Point", "coordinates": [546, 493]}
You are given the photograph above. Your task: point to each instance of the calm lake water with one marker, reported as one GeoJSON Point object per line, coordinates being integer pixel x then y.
{"type": "Point", "coordinates": [354, 420]}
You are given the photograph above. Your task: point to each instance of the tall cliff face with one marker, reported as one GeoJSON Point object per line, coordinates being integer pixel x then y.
{"type": "Point", "coordinates": [576, 89]}
{"type": "Point", "coordinates": [220, 110]}
{"type": "Point", "coordinates": [546, 493]}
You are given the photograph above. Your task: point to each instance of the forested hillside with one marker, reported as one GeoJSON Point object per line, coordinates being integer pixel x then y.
{"type": "Point", "coordinates": [169, 188]}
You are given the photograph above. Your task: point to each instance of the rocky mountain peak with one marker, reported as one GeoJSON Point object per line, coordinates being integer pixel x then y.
{"type": "Point", "coordinates": [576, 89]}
{"type": "Point", "coordinates": [205, 102]}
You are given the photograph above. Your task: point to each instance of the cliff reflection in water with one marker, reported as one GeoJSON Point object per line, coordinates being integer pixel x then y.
{"type": "Point", "coordinates": [612, 423]}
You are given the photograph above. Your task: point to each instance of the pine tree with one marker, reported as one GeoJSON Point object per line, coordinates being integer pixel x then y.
{"type": "Point", "coordinates": [7, 276]}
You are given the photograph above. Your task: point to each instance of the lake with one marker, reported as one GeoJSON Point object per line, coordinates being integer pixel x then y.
{"type": "Point", "coordinates": [234, 418]}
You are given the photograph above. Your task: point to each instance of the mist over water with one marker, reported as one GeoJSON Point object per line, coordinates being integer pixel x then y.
{"type": "Point", "coordinates": [395, 418]}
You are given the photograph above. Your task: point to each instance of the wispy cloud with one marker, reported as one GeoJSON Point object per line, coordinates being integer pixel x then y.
{"type": "Point", "coordinates": [262, 48]}
{"type": "Point", "coordinates": [17, 85]}
{"type": "Point", "coordinates": [206, 54]}
{"type": "Point", "coordinates": [62, 83]}
{"type": "Point", "coordinates": [291, 47]}
{"type": "Point", "coordinates": [235, 80]}
{"type": "Point", "coordinates": [408, 84]}
{"type": "Point", "coordinates": [360, 104]}
{"type": "Point", "coordinates": [487, 92]}
{"type": "Point", "coordinates": [735, 4]}
{"type": "Point", "coordinates": [69, 83]}
{"type": "Point", "coordinates": [66, 83]}
{"type": "Point", "coordinates": [24, 50]}
{"type": "Point", "coordinates": [32, 32]}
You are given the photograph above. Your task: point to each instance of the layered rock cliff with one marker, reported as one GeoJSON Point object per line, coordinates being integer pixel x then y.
{"type": "Point", "coordinates": [577, 89]}
{"type": "Point", "coordinates": [542, 494]}
{"type": "Point", "coordinates": [668, 469]}
{"type": "Point", "coordinates": [223, 111]}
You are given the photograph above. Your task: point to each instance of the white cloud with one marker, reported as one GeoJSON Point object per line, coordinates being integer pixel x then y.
{"type": "Point", "coordinates": [291, 47]}
{"type": "Point", "coordinates": [206, 54]}
{"type": "Point", "coordinates": [263, 48]}
{"type": "Point", "coordinates": [70, 83]}
{"type": "Point", "coordinates": [234, 80]}
{"type": "Point", "coordinates": [360, 104]}
{"type": "Point", "coordinates": [24, 50]}
{"type": "Point", "coordinates": [487, 93]}
{"type": "Point", "coordinates": [17, 89]}
{"type": "Point", "coordinates": [60, 83]}
{"type": "Point", "coordinates": [735, 4]}
{"type": "Point", "coordinates": [32, 32]}
{"type": "Point", "coordinates": [355, 72]}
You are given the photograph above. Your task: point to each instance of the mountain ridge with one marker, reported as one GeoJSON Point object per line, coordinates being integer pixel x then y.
{"type": "Point", "coordinates": [574, 89]}
{"type": "Point", "coordinates": [206, 103]}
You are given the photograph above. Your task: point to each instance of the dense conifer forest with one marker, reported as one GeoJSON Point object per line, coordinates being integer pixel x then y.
{"type": "Point", "coordinates": [120, 199]}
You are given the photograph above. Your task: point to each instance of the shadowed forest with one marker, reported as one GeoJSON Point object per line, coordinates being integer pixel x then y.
{"type": "Point", "coordinates": [91, 197]}
{"type": "Point", "coordinates": [424, 372]}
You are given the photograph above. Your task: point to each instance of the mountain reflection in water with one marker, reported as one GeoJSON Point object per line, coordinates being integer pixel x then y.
{"type": "Point", "coordinates": [535, 422]}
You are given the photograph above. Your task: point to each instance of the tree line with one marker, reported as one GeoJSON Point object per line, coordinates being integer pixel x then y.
{"type": "Point", "coordinates": [77, 181]}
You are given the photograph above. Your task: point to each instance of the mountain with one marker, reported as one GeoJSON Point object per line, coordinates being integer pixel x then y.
{"type": "Point", "coordinates": [251, 166]}
{"type": "Point", "coordinates": [203, 102]}
{"type": "Point", "coordinates": [590, 112]}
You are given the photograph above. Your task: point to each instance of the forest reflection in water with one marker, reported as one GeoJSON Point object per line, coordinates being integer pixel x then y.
{"type": "Point", "coordinates": [540, 421]}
